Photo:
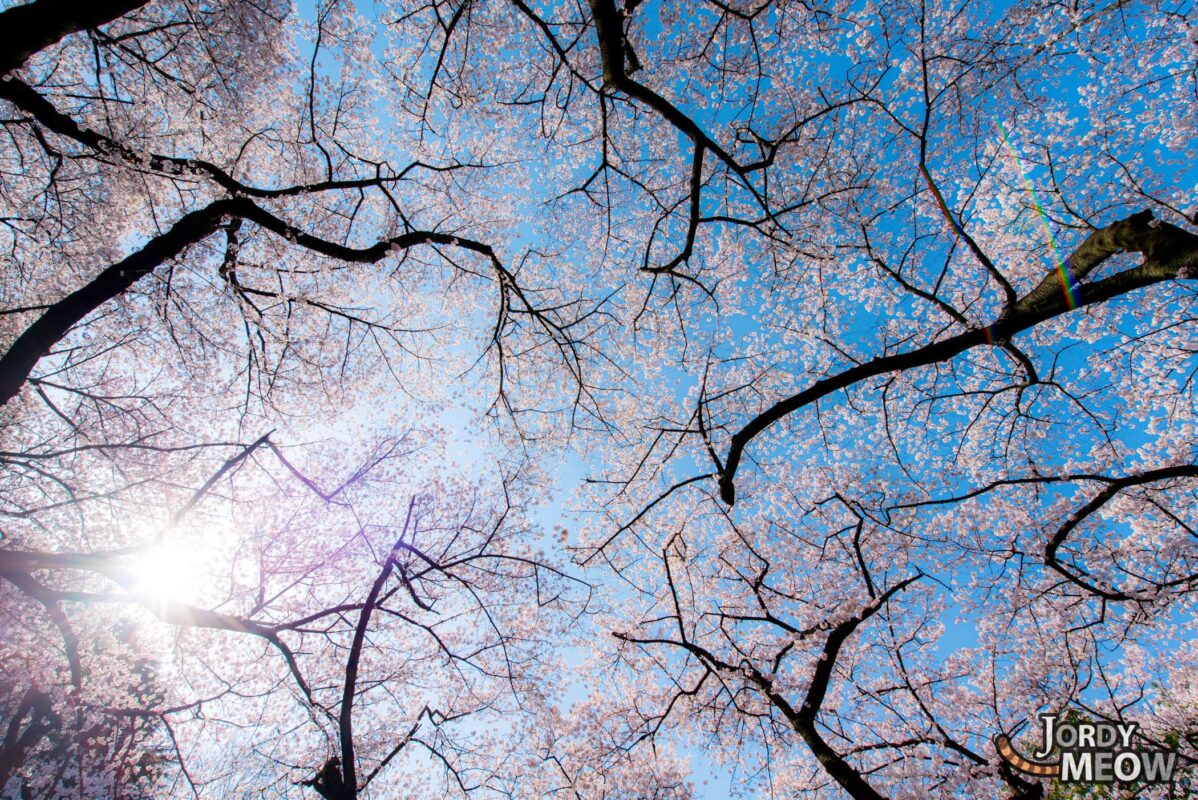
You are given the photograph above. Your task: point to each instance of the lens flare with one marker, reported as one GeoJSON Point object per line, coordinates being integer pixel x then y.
{"type": "Point", "coordinates": [1067, 286]}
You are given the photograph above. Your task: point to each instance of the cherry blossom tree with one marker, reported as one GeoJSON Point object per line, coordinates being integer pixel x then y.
{"type": "Point", "coordinates": [944, 380]}
{"type": "Point", "coordinates": [873, 322]}
{"type": "Point", "coordinates": [207, 264]}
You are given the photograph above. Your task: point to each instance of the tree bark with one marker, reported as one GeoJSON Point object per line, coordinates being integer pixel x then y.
{"type": "Point", "coordinates": [24, 30]}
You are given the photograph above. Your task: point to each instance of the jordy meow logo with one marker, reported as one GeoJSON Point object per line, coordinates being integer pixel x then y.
{"type": "Point", "coordinates": [1091, 752]}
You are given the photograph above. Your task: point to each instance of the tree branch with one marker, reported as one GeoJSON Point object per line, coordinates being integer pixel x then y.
{"type": "Point", "coordinates": [1169, 253]}
{"type": "Point", "coordinates": [26, 29]}
{"type": "Point", "coordinates": [36, 341]}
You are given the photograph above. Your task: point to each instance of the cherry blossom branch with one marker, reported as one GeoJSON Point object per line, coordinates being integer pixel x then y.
{"type": "Point", "coordinates": [346, 718]}
{"type": "Point", "coordinates": [49, 600]}
{"type": "Point", "coordinates": [804, 718]}
{"type": "Point", "coordinates": [17, 566]}
{"type": "Point", "coordinates": [1169, 253]}
{"type": "Point", "coordinates": [1078, 576]}
{"type": "Point", "coordinates": [35, 713]}
{"type": "Point", "coordinates": [29, 100]}
{"type": "Point", "coordinates": [37, 340]}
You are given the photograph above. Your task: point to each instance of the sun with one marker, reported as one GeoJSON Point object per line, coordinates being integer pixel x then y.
{"type": "Point", "coordinates": [168, 571]}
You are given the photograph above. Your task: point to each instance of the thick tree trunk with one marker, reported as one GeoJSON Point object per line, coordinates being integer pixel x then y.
{"type": "Point", "coordinates": [26, 29]}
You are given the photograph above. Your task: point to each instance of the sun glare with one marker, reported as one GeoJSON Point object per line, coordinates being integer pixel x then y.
{"type": "Point", "coordinates": [168, 571]}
